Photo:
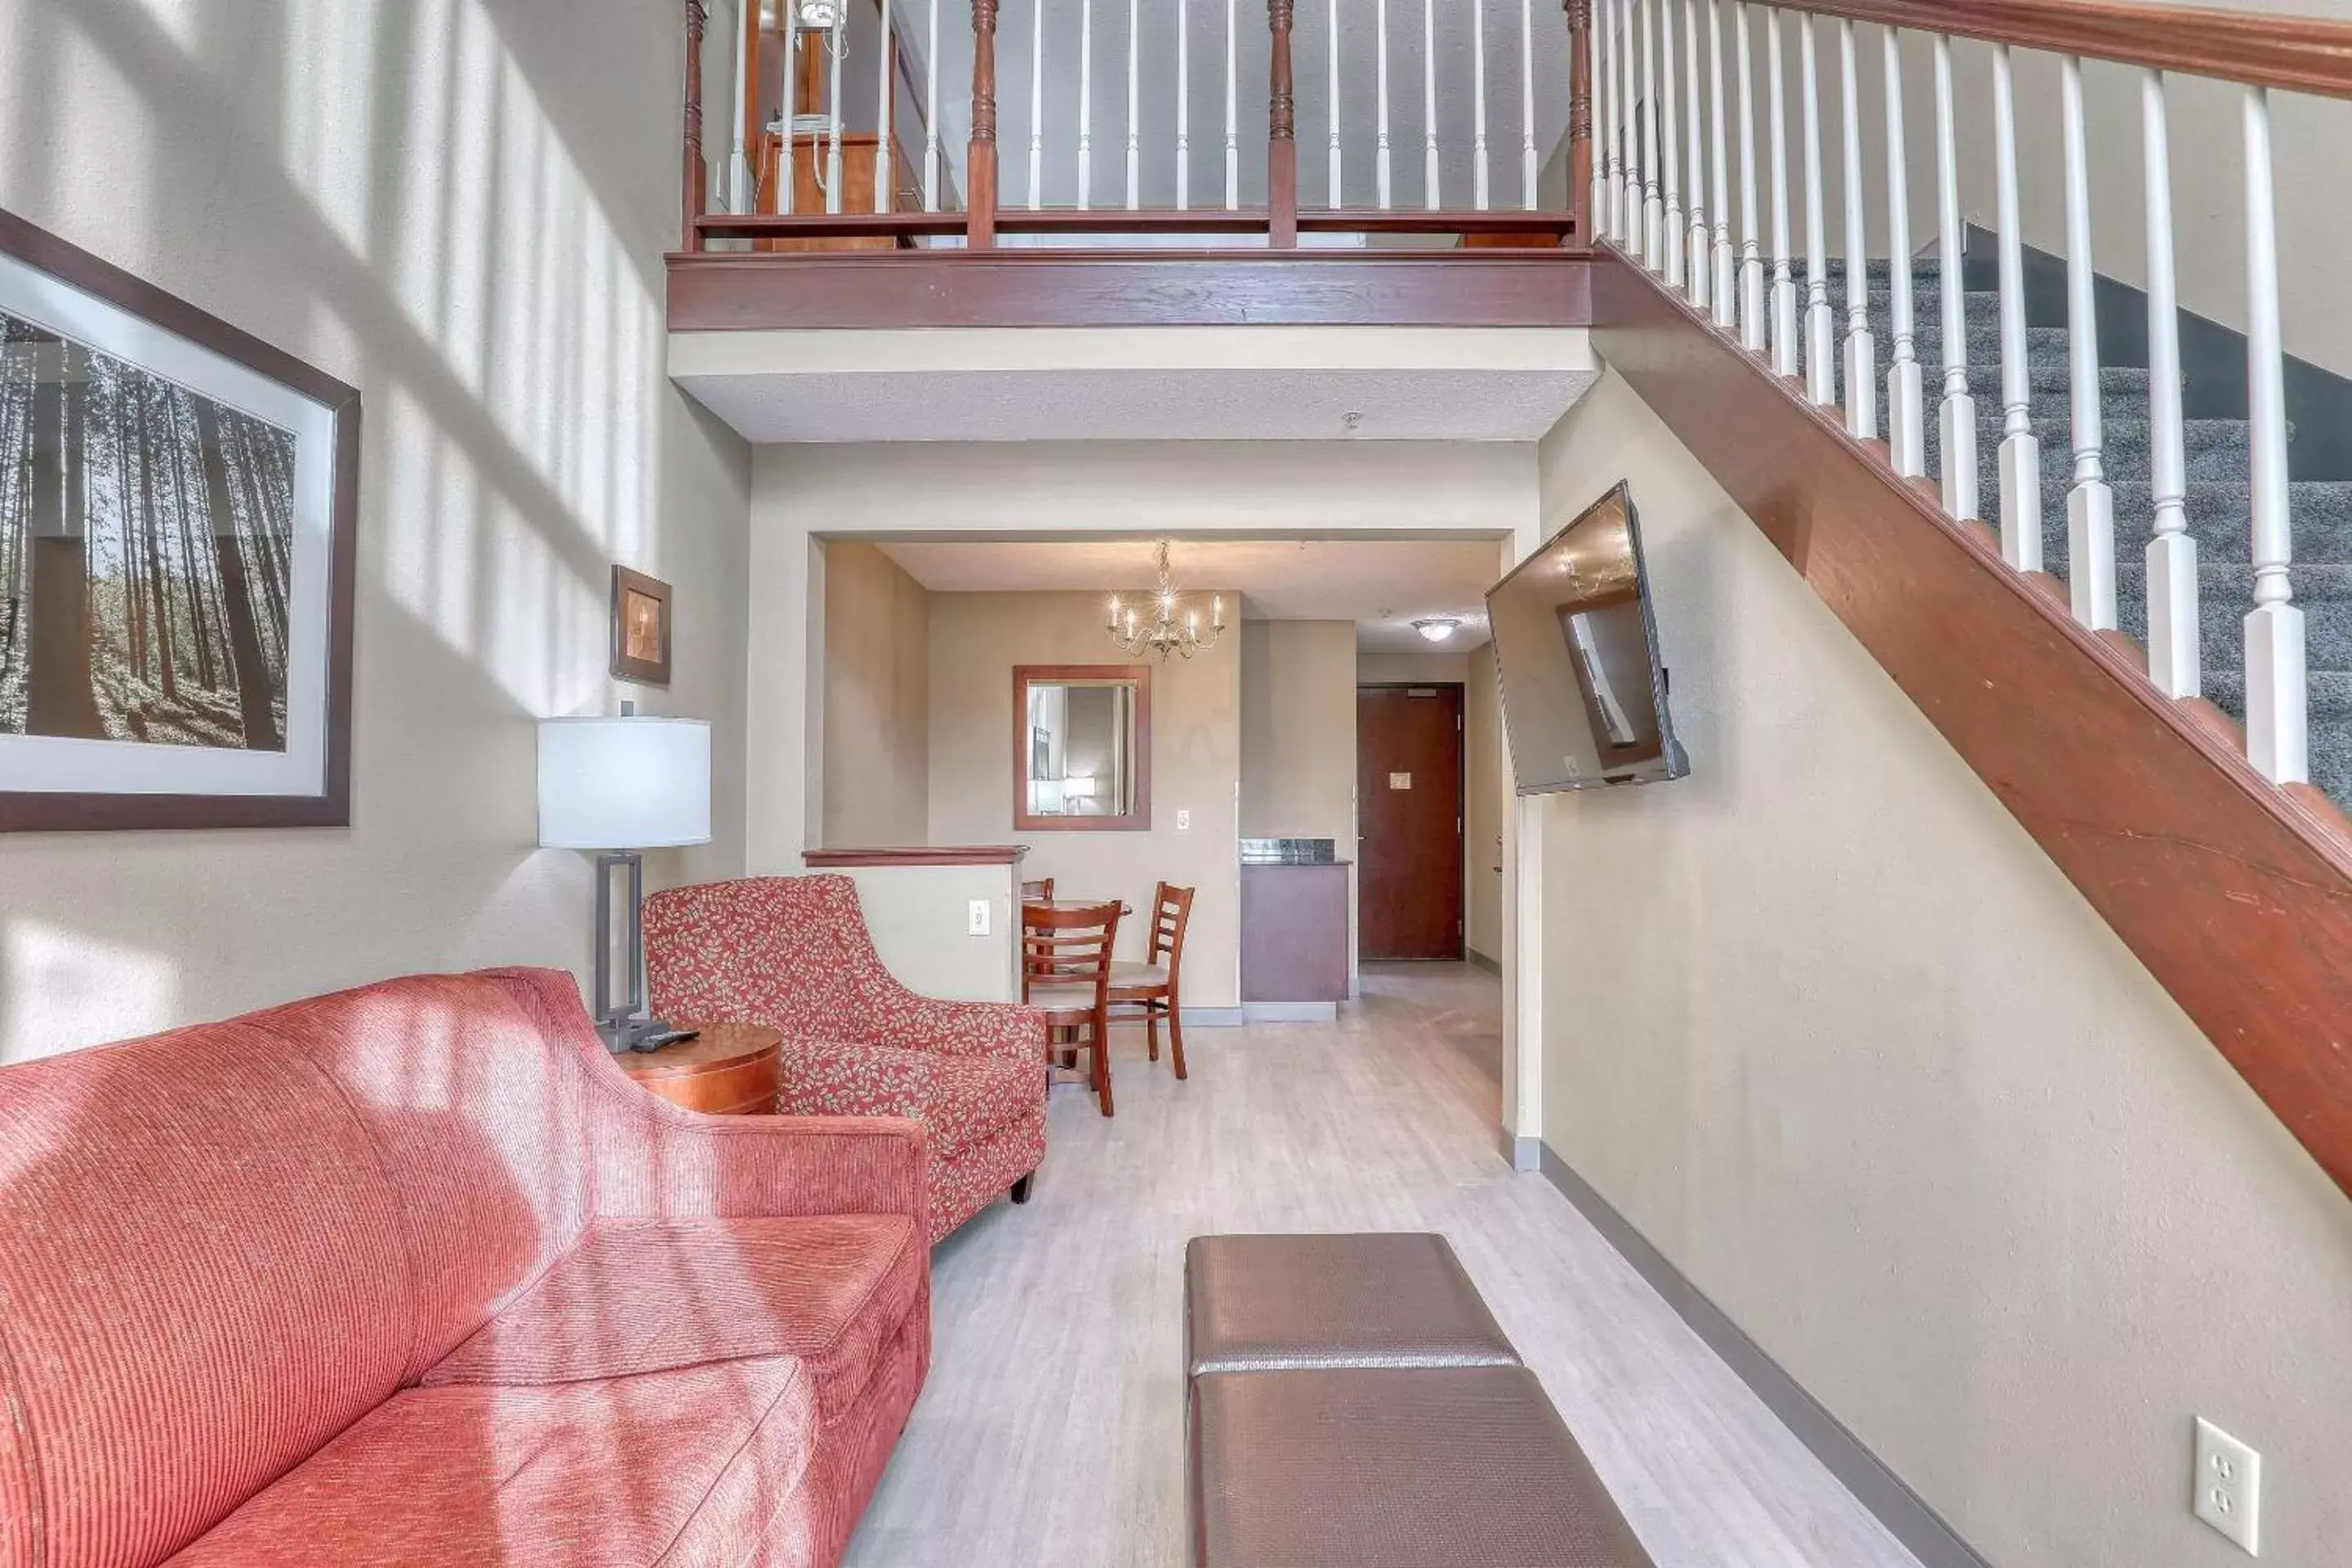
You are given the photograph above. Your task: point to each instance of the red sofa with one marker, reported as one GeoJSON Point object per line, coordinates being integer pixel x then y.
{"type": "Point", "coordinates": [793, 952]}
{"type": "Point", "coordinates": [414, 1275]}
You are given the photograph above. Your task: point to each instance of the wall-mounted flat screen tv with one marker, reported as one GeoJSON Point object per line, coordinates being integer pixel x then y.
{"type": "Point", "coordinates": [1584, 691]}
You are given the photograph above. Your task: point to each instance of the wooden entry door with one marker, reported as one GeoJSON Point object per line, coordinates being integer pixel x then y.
{"type": "Point", "coordinates": [1409, 819]}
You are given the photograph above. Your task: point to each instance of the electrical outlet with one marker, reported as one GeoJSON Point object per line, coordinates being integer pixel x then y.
{"type": "Point", "coordinates": [2230, 1487]}
{"type": "Point", "coordinates": [1183, 822]}
{"type": "Point", "coordinates": [977, 923]}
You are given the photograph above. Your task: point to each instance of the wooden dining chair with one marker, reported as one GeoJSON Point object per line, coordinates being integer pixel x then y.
{"type": "Point", "coordinates": [1040, 891]}
{"type": "Point", "coordinates": [1065, 973]}
{"type": "Point", "coordinates": [1153, 990]}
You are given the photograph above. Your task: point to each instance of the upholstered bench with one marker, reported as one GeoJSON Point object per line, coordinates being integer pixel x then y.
{"type": "Point", "coordinates": [1352, 1403]}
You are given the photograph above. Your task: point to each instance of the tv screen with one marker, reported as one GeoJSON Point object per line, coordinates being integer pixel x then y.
{"type": "Point", "coordinates": [1584, 693]}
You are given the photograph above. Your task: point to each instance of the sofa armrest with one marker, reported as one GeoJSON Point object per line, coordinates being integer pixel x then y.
{"type": "Point", "coordinates": [1003, 1029]}
{"type": "Point", "coordinates": [656, 1161]}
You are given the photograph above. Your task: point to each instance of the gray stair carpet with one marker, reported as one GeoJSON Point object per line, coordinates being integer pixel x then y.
{"type": "Point", "coordinates": [2219, 498]}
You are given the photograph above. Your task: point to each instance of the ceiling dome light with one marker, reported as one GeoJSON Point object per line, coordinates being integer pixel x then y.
{"type": "Point", "coordinates": [1436, 629]}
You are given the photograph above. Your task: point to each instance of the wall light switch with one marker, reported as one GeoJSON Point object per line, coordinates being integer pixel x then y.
{"type": "Point", "coordinates": [977, 924]}
{"type": "Point", "coordinates": [1183, 822]}
{"type": "Point", "coordinates": [2230, 1487]}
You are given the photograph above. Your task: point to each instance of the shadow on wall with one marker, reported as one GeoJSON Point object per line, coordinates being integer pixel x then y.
{"type": "Point", "coordinates": [460, 207]}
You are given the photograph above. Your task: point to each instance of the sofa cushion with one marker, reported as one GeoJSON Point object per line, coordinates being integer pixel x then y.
{"type": "Point", "coordinates": [640, 1296]}
{"type": "Point", "coordinates": [480, 1116]}
{"type": "Point", "coordinates": [202, 1279]}
{"type": "Point", "coordinates": [960, 1100]}
{"type": "Point", "coordinates": [682, 1467]}
{"type": "Point", "coordinates": [1265, 1302]}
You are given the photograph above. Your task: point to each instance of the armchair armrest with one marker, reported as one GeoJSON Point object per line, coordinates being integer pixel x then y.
{"type": "Point", "coordinates": [1003, 1029]}
{"type": "Point", "coordinates": [664, 1162]}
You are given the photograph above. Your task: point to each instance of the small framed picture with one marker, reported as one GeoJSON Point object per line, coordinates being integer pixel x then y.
{"type": "Point", "coordinates": [640, 627]}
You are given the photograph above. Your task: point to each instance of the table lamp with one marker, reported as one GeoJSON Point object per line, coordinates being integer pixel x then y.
{"type": "Point", "coordinates": [620, 786]}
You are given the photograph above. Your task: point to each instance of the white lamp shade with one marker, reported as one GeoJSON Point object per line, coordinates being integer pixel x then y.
{"type": "Point", "coordinates": [623, 784]}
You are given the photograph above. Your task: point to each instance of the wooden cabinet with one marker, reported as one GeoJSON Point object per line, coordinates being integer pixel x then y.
{"type": "Point", "coordinates": [1294, 933]}
{"type": "Point", "coordinates": [812, 168]}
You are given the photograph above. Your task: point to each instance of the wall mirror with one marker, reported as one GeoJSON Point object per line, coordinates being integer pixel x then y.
{"type": "Point", "coordinates": [1081, 747]}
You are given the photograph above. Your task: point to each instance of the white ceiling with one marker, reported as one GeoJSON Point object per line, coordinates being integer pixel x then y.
{"type": "Point", "coordinates": [1382, 585]}
{"type": "Point", "coordinates": [1154, 403]}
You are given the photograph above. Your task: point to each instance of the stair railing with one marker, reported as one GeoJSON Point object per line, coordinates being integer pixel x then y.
{"type": "Point", "coordinates": [1638, 183]}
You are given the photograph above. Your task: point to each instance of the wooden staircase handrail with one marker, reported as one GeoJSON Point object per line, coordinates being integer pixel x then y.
{"type": "Point", "coordinates": [2294, 54]}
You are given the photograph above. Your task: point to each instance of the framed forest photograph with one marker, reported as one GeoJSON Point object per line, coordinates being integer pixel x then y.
{"type": "Point", "coordinates": [177, 504]}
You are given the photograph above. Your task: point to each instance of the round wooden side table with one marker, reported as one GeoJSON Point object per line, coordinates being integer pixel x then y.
{"type": "Point", "coordinates": [727, 1069]}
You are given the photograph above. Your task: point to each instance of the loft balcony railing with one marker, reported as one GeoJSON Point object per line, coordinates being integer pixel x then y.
{"type": "Point", "coordinates": [1160, 125]}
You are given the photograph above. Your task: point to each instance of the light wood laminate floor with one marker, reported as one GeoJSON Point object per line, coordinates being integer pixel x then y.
{"type": "Point", "coordinates": [1051, 1432]}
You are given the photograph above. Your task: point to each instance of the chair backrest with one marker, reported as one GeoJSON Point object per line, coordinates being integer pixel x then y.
{"type": "Point", "coordinates": [1040, 891]}
{"type": "Point", "coordinates": [1068, 947]}
{"type": "Point", "coordinates": [792, 952]}
{"type": "Point", "coordinates": [1171, 912]}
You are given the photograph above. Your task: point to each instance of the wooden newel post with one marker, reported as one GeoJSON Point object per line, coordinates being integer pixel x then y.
{"type": "Point", "coordinates": [696, 190]}
{"type": "Point", "coordinates": [1579, 118]}
{"type": "Point", "coordinates": [1282, 136]}
{"type": "Point", "coordinates": [980, 168]}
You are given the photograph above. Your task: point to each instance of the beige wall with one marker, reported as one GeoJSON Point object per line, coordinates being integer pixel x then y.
{"type": "Point", "coordinates": [876, 700]}
{"type": "Point", "coordinates": [1832, 1031]}
{"type": "Point", "coordinates": [1489, 789]}
{"type": "Point", "coordinates": [461, 210]}
{"type": "Point", "coordinates": [920, 919]}
{"type": "Point", "coordinates": [1377, 668]}
{"type": "Point", "coordinates": [976, 639]}
{"type": "Point", "coordinates": [1299, 731]}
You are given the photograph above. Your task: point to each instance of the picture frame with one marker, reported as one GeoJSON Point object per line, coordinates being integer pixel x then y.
{"type": "Point", "coordinates": [178, 560]}
{"type": "Point", "coordinates": [641, 628]}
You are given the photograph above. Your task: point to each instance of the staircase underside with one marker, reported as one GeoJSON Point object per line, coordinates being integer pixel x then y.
{"type": "Point", "coordinates": [2236, 894]}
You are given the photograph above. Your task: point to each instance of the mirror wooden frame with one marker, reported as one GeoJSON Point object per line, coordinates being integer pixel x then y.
{"type": "Point", "coordinates": [1137, 818]}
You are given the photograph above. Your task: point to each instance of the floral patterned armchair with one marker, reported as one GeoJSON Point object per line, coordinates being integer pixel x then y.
{"type": "Point", "coordinates": [793, 952]}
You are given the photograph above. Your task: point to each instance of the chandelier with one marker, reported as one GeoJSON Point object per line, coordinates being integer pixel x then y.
{"type": "Point", "coordinates": [1165, 625]}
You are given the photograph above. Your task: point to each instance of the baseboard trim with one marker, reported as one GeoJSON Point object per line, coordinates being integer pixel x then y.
{"type": "Point", "coordinates": [1906, 1515]}
{"type": "Point", "coordinates": [1491, 965]}
{"type": "Point", "coordinates": [1290, 1012]}
{"type": "Point", "coordinates": [1519, 1153]}
{"type": "Point", "coordinates": [1213, 1018]}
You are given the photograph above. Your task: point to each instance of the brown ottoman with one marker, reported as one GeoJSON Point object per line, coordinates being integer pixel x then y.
{"type": "Point", "coordinates": [1395, 1468]}
{"type": "Point", "coordinates": [1255, 1303]}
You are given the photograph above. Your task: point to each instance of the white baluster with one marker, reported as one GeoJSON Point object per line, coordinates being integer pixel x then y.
{"type": "Point", "coordinates": [1629, 112]}
{"type": "Point", "coordinates": [836, 44]}
{"type": "Point", "coordinates": [1086, 104]}
{"type": "Point", "coordinates": [1134, 126]}
{"type": "Point", "coordinates": [1429, 102]}
{"type": "Point", "coordinates": [1036, 106]}
{"type": "Point", "coordinates": [1695, 241]}
{"type": "Point", "coordinates": [1956, 416]}
{"type": "Point", "coordinates": [1386, 186]}
{"type": "Point", "coordinates": [1337, 183]}
{"type": "Point", "coordinates": [2175, 640]}
{"type": "Point", "coordinates": [2020, 449]}
{"type": "Point", "coordinates": [2089, 504]}
{"type": "Point", "coordinates": [1861, 347]}
{"type": "Point", "coordinates": [1480, 192]}
{"type": "Point", "coordinates": [739, 166]}
{"type": "Point", "coordinates": [1604, 125]}
{"type": "Point", "coordinates": [2277, 694]}
{"type": "Point", "coordinates": [883, 174]}
{"type": "Point", "coordinates": [1752, 334]}
{"type": "Point", "coordinates": [1529, 167]}
{"type": "Point", "coordinates": [1821, 324]}
{"type": "Point", "coordinates": [1906, 421]}
{"type": "Point", "coordinates": [1233, 109]}
{"type": "Point", "coordinates": [1184, 105]}
{"type": "Point", "coordinates": [1671, 239]}
{"type": "Point", "coordinates": [785, 183]}
{"type": "Point", "coordinates": [1726, 287]}
{"type": "Point", "coordinates": [1785, 360]}
{"type": "Point", "coordinates": [931, 109]}
{"type": "Point", "coordinates": [1654, 212]}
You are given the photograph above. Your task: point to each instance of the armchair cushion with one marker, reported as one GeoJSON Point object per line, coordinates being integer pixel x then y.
{"type": "Point", "coordinates": [673, 1468]}
{"type": "Point", "coordinates": [959, 1102]}
{"type": "Point", "coordinates": [645, 1296]}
